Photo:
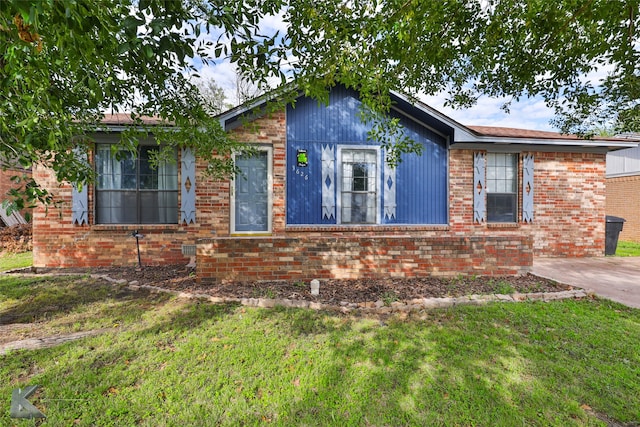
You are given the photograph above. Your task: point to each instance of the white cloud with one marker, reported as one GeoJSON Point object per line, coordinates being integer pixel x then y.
{"type": "Point", "coordinates": [531, 113]}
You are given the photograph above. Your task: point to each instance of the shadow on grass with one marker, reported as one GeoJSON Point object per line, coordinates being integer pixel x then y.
{"type": "Point", "coordinates": [41, 298]}
{"type": "Point", "coordinates": [534, 364]}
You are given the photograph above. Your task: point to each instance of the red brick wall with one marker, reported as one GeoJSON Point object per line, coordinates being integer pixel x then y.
{"type": "Point", "coordinates": [569, 203]}
{"type": "Point", "coordinates": [7, 184]}
{"type": "Point", "coordinates": [349, 257]}
{"type": "Point", "coordinates": [623, 200]}
{"type": "Point", "coordinates": [59, 243]}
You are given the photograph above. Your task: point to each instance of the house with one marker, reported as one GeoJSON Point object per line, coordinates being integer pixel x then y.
{"type": "Point", "coordinates": [319, 201]}
{"type": "Point", "coordinates": [12, 177]}
{"type": "Point", "coordinates": [623, 189]}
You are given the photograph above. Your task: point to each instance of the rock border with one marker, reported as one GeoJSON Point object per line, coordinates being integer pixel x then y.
{"type": "Point", "coordinates": [371, 307]}
{"type": "Point", "coordinates": [377, 307]}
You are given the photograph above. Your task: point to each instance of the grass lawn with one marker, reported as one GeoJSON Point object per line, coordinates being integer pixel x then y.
{"type": "Point", "coordinates": [9, 261]}
{"type": "Point", "coordinates": [628, 249]}
{"type": "Point", "coordinates": [171, 362]}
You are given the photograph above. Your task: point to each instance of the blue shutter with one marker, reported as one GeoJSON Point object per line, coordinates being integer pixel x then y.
{"type": "Point", "coordinates": [188, 186]}
{"type": "Point", "coordinates": [527, 188]}
{"type": "Point", "coordinates": [479, 188]}
{"type": "Point", "coordinates": [80, 197]}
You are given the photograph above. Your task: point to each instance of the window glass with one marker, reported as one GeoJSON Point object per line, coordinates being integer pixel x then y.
{"type": "Point", "coordinates": [359, 193]}
{"type": "Point", "coordinates": [502, 184]}
{"type": "Point", "coordinates": [129, 190]}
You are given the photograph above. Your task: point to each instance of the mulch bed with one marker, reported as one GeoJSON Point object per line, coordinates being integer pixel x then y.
{"type": "Point", "coordinates": [180, 278]}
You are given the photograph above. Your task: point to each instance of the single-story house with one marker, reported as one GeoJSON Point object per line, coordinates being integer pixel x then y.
{"type": "Point", "coordinates": [623, 189]}
{"type": "Point", "coordinates": [320, 201]}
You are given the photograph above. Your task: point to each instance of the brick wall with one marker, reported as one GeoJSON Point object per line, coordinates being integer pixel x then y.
{"type": "Point", "coordinates": [7, 184]}
{"type": "Point", "coordinates": [349, 257]}
{"type": "Point", "coordinates": [59, 243]}
{"type": "Point", "coordinates": [569, 203]}
{"type": "Point", "coordinates": [623, 200]}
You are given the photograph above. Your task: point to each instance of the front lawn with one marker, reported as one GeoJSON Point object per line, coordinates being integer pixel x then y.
{"type": "Point", "coordinates": [628, 249]}
{"type": "Point", "coordinates": [10, 261]}
{"type": "Point", "coordinates": [170, 362]}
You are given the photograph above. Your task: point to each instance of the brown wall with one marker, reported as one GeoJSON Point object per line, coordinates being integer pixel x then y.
{"type": "Point", "coordinates": [623, 200]}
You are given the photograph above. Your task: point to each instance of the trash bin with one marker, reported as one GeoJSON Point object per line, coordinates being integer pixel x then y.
{"type": "Point", "coordinates": [612, 231]}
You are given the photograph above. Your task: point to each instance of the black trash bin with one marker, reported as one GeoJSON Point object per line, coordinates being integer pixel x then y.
{"type": "Point", "coordinates": [612, 231]}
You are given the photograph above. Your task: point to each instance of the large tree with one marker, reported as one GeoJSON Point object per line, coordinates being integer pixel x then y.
{"type": "Point", "coordinates": [64, 63]}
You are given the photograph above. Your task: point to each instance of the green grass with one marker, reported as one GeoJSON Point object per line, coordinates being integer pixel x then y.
{"type": "Point", "coordinates": [628, 249]}
{"type": "Point", "coordinates": [173, 362]}
{"type": "Point", "coordinates": [9, 261]}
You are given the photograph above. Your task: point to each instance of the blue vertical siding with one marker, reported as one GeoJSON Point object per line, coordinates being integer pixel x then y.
{"type": "Point", "coordinates": [421, 181]}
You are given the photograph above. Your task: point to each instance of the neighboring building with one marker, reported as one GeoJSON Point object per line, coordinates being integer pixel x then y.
{"type": "Point", "coordinates": [623, 189]}
{"type": "Point", "coordinates": [7, 172]}
{"type": "Point", "coordinates": [319, 200]}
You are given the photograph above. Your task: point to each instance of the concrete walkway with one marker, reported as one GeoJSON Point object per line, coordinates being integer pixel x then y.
{"type": "Point", "coordinates": [615, 278]}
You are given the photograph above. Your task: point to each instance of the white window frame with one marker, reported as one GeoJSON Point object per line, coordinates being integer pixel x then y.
{"type": "Point", "coordinates": [339, 182]}
{"type": "Point", "coordinates": [232, 202]}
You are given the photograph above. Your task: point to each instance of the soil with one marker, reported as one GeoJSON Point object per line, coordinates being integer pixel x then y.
{"type": "Point", "coordinates": [16, 238]}
{"type": "Point", "coordinates": [332, 291]}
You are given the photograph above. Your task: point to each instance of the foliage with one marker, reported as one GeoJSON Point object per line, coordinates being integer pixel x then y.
{"type": "Point", "coordinates": [165, 361]}
{"type": "Point", "coordinates": [63, 64]}
{"type": "Point", "coordinates": [471, 48]}
{"type": "Point", "coordinates": [213, 96]}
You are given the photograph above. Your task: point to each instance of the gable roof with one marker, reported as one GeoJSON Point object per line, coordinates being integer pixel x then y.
{"type": "Point", "coordinates": [459, 135]}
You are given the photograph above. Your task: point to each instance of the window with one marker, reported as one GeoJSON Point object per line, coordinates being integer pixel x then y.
{"type": "Point", "coordinates": [359, 189]}
{"type": "Point", "coordinates": [502, 187]}
{"type": "Point", "coordinates": [130, 190]}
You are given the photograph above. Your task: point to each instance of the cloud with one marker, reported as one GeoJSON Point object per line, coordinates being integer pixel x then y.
{"type": "Point", "coordinates": [531, 113]}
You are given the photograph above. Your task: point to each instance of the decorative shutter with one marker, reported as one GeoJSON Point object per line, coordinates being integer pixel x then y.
{"type": "Point", "coordinates": [527, 188]}
{"type": "Point", "coordinates": [389, 191]}
{"type": "Point", "coordinates": [188, 186]}
{"type": "Point", "coordinates": [328, 182]}
{"type": "Point", "coordinates": [80, 197]}
{"type": "Point", "coordinates": [479, 188]}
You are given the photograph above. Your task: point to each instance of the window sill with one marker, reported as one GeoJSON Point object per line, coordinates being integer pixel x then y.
{"type": "Point", "coordinates": [156, 228]}
{"type": "Point", "coordinates": [366, 227]}
{"type": "Point", "coordinates": [503, 225]}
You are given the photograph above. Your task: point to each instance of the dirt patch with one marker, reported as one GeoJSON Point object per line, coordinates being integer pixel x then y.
{"type": "Point", "coordinates": [180, 278]}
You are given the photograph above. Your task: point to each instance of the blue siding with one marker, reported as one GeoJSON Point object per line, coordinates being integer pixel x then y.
{"type": "Point", "coordinates": [421, 181]}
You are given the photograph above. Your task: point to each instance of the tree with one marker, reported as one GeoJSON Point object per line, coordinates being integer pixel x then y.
{"type": "Point", "coordinates": [215, 101]}
{"type": "Point", "coordinates": [63, 63]}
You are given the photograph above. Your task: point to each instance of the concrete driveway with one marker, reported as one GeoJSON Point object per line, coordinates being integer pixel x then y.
{"type": "Point", "coordinates": [615, 278]}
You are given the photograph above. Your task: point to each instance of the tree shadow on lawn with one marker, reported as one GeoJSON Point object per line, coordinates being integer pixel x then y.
{"type": "Point", "coordinates": [437, 370]}
{"type": "Point", "coordinates": [40, 299]}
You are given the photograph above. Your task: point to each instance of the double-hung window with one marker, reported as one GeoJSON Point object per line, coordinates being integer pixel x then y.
{"type": "Point", "coordinates": [130, 190]}
{"type": "Point", "coordinates": [502, 187]}
{"type": "Point", "coordinates": [359, 185]}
